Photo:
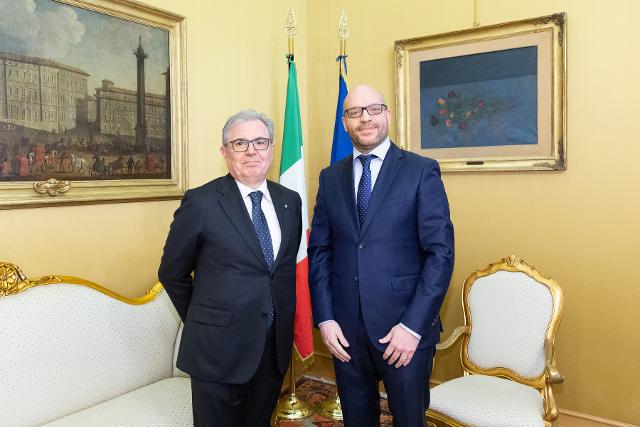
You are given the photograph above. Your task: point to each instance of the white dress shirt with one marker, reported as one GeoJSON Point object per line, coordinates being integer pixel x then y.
{"type": "Point", "coordinates": [269, 212]}
{"type": "Point", "coordinates": [376, 164]}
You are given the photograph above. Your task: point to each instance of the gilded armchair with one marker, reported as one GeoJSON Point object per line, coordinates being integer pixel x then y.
{"type": "Point", "coordinates": [511, 316]}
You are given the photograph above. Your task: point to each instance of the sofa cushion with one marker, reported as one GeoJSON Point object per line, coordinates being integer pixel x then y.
{"type": "Point", "coordinates": [68, 347]}
{"type": "Point", "coordinates": [165, 403]}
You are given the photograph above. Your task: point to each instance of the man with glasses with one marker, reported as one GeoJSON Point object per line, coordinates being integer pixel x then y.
{"type": "Point", "coordinates": [229, 269]}
{"type": "Point", "coordinates": [380, 261]}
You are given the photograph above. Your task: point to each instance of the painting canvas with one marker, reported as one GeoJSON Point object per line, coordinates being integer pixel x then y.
{"type": "Point", "coordinates": [86, 96]}
{"type": "Point", "coordinates": [479, 100]}
{"type": "Point", "coordinates": [489, 98]}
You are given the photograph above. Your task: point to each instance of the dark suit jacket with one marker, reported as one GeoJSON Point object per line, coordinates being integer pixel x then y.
{"type": "Point", "coordinates": [396, 267]}
{"type": "Point", "coordinates": [224, 304]}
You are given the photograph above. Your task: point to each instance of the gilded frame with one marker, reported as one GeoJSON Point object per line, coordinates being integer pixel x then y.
{"type": "Point", "coordinates": [547, 35]}
{"type": "Point", "coordinates": [13, 281]}
{"type": "Point", "coordinates": [54, 192]}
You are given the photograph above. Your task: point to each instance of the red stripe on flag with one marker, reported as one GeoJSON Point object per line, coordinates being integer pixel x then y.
{"type": "Point", "coordinates": [303, 327]}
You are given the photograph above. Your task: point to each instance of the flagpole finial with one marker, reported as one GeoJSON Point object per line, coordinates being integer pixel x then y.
{"type": "Point", "coordinates": [343, 29]}
{"type": "Point", "coordinates": [290, 28]}
{"type": "Point", "coordinates": [343, 33]}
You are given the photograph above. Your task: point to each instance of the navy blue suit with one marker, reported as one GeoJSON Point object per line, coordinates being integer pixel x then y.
{"type": "Point", "coordinates": [394, 268]}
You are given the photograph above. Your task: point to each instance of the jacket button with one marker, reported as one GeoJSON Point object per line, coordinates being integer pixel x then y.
{"type": "Point", "coordinates": [355, 279]}
{"type": "Point", "coordinates": [361, 246]}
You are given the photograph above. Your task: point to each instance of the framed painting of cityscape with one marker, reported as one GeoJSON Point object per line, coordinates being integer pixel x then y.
{"type": "Point", "coordinates": [92, 103]}
{"type": "Point", "coordinates": [486, 99]}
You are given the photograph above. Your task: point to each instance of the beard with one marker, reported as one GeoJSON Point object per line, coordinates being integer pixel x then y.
{"type": "Point", "coordinates": [369, 142]}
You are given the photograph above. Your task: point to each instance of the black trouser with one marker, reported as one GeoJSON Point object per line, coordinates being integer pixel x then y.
{"type": "Point", "coordinates": [240, 405]}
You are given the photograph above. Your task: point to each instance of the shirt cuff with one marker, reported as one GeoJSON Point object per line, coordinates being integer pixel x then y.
{"type": "Point", "coordinates": [326, 321]}
{"type": "Point", "coordinates": [406, 329]}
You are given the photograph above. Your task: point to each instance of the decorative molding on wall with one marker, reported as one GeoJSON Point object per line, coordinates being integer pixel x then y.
{"type": "Point", "coordinates": [570, 418]}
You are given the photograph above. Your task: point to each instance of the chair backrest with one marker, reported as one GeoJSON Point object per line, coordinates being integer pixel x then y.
{"type": "Point", "coordinates": [513, 313]}
{"type": "Point", "coordinates": [72, 344]}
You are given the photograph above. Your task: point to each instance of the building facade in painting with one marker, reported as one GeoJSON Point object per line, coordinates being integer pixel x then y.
{"type": "Point", "coordinates": [42, 94]}
{"type": "Point", "coordinates": [117, 109]}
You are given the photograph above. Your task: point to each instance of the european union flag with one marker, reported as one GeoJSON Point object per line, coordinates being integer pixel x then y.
{"type": "Point", "coordinates": [341, 146]}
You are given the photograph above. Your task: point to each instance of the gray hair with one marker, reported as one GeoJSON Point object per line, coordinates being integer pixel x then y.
{"type": "Point", "coordinates": [245, 116]}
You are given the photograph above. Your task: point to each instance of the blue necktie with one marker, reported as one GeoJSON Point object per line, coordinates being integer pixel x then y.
{"type": "Point", "coordinates": [364, 187]}
{"type": "Point", "coordinates": [264, 238]}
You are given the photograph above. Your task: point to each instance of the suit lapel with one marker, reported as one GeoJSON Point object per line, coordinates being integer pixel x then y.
{"type": "Point", "coordinates": [282, 206]}
{"type": "Point", "coordinates": [346, 183]}
{"type": "Point", "coordinates": [236, 211]}
{"type": "Point", "coordinates": [388, 172]}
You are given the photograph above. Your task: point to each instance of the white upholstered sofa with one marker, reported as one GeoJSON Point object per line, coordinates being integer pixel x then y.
{"type": "Point", "coordinates": [76, 354]}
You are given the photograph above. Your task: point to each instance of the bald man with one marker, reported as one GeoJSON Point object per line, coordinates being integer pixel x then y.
{"type": "Point", "coordinates": [381, 256]}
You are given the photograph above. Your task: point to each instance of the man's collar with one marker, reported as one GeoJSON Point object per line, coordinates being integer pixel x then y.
{"type": "Point", "coordinates": [245, 190]}
{"type": "Point", "coordinates": [380, 151]}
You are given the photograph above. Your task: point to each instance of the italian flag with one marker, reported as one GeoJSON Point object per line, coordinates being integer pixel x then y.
{"type": "Point", "coordinates": [292, 176]}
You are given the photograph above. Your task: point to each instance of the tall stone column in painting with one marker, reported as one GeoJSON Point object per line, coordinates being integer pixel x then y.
{"type": "Point", "coordinates": [141, 125]}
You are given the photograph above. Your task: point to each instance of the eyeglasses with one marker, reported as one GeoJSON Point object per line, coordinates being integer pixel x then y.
{"type": "Point", "coordinates": [241, 145]}
{"type": "Point", "coordinates": [373, 110]}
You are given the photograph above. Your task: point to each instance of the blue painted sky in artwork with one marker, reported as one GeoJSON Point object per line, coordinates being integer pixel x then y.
{"type": "Point", "coordinates": [487, 99]}
{"type": "Point", "coordinates": [96, 43]}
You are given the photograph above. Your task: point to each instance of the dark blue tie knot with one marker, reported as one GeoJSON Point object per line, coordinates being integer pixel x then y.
{"type": "Point", "coordinates": [256, 197]}
{"type": "Point", "coordinates": [365, 159]}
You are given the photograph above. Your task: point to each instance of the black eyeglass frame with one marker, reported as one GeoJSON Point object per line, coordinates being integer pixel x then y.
{"type": "Point", "coordinates": [362, 110]}
{"type": "Point", "coordinates": [252, 142]}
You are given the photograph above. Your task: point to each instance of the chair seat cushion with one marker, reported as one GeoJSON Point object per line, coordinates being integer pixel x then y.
{"type": "Point", "coordinates": [164, 403]}
{"type": "Point", "coordinates": [480, 400]}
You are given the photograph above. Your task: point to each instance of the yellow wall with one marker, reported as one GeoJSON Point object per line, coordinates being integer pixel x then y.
{"type": "Point", "coordinates": [235, 60]}
{"type": "Point", "coordinates": [580, 226]}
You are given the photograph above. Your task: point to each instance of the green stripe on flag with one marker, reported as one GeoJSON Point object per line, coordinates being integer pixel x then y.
{"type": "Point", "coordinates": [292, 137]}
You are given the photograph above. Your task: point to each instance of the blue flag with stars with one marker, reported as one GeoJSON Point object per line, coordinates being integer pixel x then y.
{"type": "Point", "coordinates": [341, 146]}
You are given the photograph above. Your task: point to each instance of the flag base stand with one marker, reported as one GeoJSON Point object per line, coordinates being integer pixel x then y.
{"type": "Point", "coordinates": [330, 408]}
{"type": "Point", "coordinates": [290, 407]}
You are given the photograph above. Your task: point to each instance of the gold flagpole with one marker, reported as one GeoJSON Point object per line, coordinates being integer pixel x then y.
{"type": "Point", "coordinates": [290, 407]}
{"type": "Point", "coordinates": [330, 407]}
{"type": "Point", "coordinates": [476, 22]}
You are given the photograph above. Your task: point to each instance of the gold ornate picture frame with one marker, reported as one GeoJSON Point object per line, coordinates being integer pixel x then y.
{"type": "Point", "coordinates": [93, 104]}
{"type": "Point", "coordinates": [490, 98]}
